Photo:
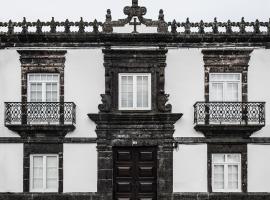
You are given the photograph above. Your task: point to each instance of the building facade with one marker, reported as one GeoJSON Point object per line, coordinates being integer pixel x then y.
{"type": "Point", "coordinates": [177, 113]}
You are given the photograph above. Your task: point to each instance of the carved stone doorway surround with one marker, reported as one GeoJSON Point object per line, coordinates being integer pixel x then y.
{"type": "Point", "coordinates": [116, 128]}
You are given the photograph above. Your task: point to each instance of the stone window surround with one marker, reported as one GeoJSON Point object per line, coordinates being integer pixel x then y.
{"type": "Point", "coordinates": [227, 149]}
{"type": "Point", "coordinates": [44, 174]}
{"type": "Point", "coordinates": [41, 61]}
{"type": "Point", "coordinates": [41, 148]}
{"type": "Point", "coordinates": [226, 61]}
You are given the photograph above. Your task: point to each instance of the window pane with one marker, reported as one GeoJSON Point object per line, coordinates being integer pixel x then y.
{"type": "Point", "coordinates": [55, 77]}
{"type": "Point", "coordinates": [142, 91]}
{"type": "Point", "coordinates": [37, 183]}
{"type": "Point", "coordinates": [52, 172]}
{"type": "Point", "coordinates": [218, 176]}
{"type": "Point", "coordinates": [233, 158]}
{"type": "Point", "coordinates": [37, 161]}
{"type": "Point", "coordinates": [51, 161]}
{"type": "Point", "coordinates": [217, 92]}
{"type": "Point", "coordinates": [37, 172]}
{"type": "Point", "coordinates": [43, 77]}
{"type": "Point", "coordinates": [126, 91]}
{"type": "Point", "coordinates": [233, 176]}
{"type": "Point", "coordinates": [51, 183]}
{"type": "Point", "coordinates": [232, 92]}
{"type": "Point", "coordinates": [218, 158]}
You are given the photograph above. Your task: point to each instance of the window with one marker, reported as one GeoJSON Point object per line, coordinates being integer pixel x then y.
{"type": "Point", "coordinates": [226, 172]}
{"type": "Point", "coordinates": [43, 87]}
{"type": "Point", "coordinates": [44, 173]}
{"type": "Point", "coordinates": [225, 86]}
{"type": "Point", "coordinates": [135, 91]}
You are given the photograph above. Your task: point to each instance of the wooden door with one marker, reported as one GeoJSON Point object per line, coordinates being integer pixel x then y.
{"type": "Point", "coordinates": [135, 173]}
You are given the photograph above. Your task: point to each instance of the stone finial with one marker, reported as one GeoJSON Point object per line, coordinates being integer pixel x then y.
{"type": "Point", "coordinates": [53, 25]}
{"type": "Point", "coordinates": [24, 25]}
{"type": "Point", "coordinates": [81, 25]}
{"type": "Point", "coordinates": [256, 26]}
{"type": "Point", "coordinates": [39, 25]}
{"type": "Point", "coordinates": [242, 26]}
{"type": "Point", "coordinates": [95, 25]}
{"type": "Point", "coordinates": [161, 15]}
{"type": "Point", "coordinates": [187, 26]}
{"type": "Point", "coordinates": [229, 27]}
{"type": "Point", "coordinates": [215, 26]}
{"type": "Point", "coordinates": [108, 15]}
{"type": "Point", "coordinates": [268, 27]}
{"type": "Point", "coordinates": [174, 26]}
{"type": "Point", "coordinates": [67, 26]}
{"type": "Point", "coordinates": [201, 27]}
{"type": "Point", "coordinates": [10, 26]}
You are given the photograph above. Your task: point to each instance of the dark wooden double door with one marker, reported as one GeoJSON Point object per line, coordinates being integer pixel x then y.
{"type": "Point", "coordinates": [135, 173]}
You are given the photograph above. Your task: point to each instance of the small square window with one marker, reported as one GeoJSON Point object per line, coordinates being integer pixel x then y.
{"type": "Point", "coordinates": [226, 172]}
{"type": "Point", "coordinates": [135, 91]}
{"type": "Point", "coordinates": [44, 173]}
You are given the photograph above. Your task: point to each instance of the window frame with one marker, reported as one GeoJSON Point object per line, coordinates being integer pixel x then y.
{"type": "Point", "coordinates": [226, 174]}
{"type": "Point", "coordinates": [43, 82]}
{"type": "Point", "coordinates": [224, 83]}
{"type": "Point", "coordinates": [44, 189]}
{"type": "Point", "coordinates": [134, 107]}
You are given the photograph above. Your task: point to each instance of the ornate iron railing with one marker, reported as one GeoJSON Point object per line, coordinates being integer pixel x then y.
{"type": "Point", "coordinates": [252, 113]}
{"type": "Point", "coordinates": [40, 113]}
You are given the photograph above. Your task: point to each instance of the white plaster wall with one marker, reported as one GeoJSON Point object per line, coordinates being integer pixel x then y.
{"type": "Point", "coordinates": [80, 168]}
{"type": "Point", "coordinates": [11, 167]}
{"type": "Point", "coordinates": [84, 82]}
{"type": "Point", "coordinates": [258, 168]}
{"type": "Point", "coordinates": [10, 85]}
{"type": "Point", "coordinates": [190, 168]}
{"type": "Point", "coordinates": [258, 84]}
{"type": "Point", "coordinates": [184, 82]}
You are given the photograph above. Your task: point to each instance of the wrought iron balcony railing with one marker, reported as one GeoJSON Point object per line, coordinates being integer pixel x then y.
{"type": "Point", "coordinates": [231, 113]}
{"type": "Point", "coordinates": [40, 113]}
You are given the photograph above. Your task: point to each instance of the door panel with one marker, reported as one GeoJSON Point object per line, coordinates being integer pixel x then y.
{"type": "Point", "coordinates": [135, 173]}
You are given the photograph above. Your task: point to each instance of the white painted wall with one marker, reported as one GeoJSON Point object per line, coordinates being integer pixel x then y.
{"type": "Point", "coordinates": [80, 168]}
{"type": "Point", "coordinates": [258, 84]}
{"type": "Point", "coordinates": [11, 167]}
{"type": "Point", "coordinates": [258, 168]}
{"type": "Point", "coordinates": [84, 82]}
{"type": "Point", "coordinates": [184, 82]}
{"type": "Point", "coordinates": [190, 168]}
{"type": "Point", "coordinates": [10, 85]}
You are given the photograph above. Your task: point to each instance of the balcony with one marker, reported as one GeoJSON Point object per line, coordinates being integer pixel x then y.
{"type": "Point", "coordinates": [229, 118]}
{"type": "Point", "coordinates": [40, 117]}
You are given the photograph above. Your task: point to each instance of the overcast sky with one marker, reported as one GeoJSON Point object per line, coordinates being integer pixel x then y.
{"type": "Point", "coordinates": [173, 9]}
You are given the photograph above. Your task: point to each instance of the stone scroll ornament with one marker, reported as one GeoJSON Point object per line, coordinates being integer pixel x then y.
{"type": "Point", "coordinates": [132, 12]}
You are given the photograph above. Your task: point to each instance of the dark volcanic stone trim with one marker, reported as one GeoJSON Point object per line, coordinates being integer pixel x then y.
{"type": "Point", "coordinates": [128, 39]}
{"type": "Point", "coordinates": [39, 148]}
{"type": "Point", "coordinates": [42, 61]}
{"type": "Point", "coordinates": [174, 196]}
{"type": "Point", "coordinates": [152, 61]}
{"type": "Point", "coordinates": [51, 196]}
{"type": "Point", "coordinates": [220, 196]}
{"type": "Point", "coordinates": [178, 140]}
{"type": "Point", "coordinates": [226, 61]}
{"type": "Point", "coordinates": [227, 148]}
